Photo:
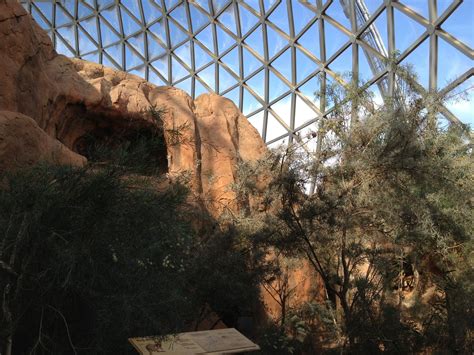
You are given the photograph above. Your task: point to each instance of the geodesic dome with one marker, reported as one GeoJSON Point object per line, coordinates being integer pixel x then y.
{"type": "Point", "coordinates": [270, 56]}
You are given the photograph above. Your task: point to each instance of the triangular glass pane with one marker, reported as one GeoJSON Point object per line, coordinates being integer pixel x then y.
{"type": "Point", "coordinates": [70, 7]}
{"type": "Point", "coordinates": [257, 121]}
{"type": "Point", "coordinates": [376, 35]}
{"type": "Point", "coordinates": [161, 66]}
{"type": "Point", "coordinates": [111, 16]}
{"type": "Point", "coordinates": [275, 42]}
{"type": "Point", "coordinates": [67, 33]}
{"type": "Point", "coordinates": [373, 6]}
{"type": "Point", "coordinates": [140, 71]}
{"type": "Point", "coordinates": [257, 84]}
{"type": "Point", "coordinates": [206, 38]}
{"type": "Point", "coordinates": [279, 17]}
{"type": "Point", "coordinates": [407, 31]}
{"type": "Point", "coordinates": [107, 61]}
{"type": "Point", "coordinates": [198, 18]}
{"type": "Point", "coordinates": [115, 54]}
{"type": "Point", "coordinates": [451, 63]}
{"type": "Point", "coordinates": [255, 41]}
{"type": "Point", "coordinates": [62, 48]}
{"type": "Point", "coordinates": [170, 3]}
{"type": "Point", "coordinates": [62, 16]}
{"type": "Point", "coordinates": [226, 80]}
{"type": "Point", "coordinates": [107, 34]}
{"type": "Point", "coordinates": [254, 4]}
{"type": "Point", "coordinates": [419, 59]}
{"type": "Point", "coordinates": [463, 107]}
{"type": "Point", "coordinates": [304, 66]}
{"type": "Point", "coordinates": [310, 40]}
{"type": "Point", "coordinates": [303, 112]}
{"type": "Point", "coordinates": [90, 26]}
{"type": "Point", "coordinates": [336, 11]}
{"type": "Point", "coordinates": [155, 79]}
{"type": "Point", "coordinates": [159, 30]}
{"type": "Point", "coordinates": [133, 7]}
{"type": "Point", "coordinates": [204, 5]}
{"type": "Point", "coordinates": [283, 65]}
{"type": "Point", "coordinates": [233, 95]}
{"type": "Point", "coordinates": [177, 36]}
{"type": "Point", "coordinates": [419, 6]}
{"type": "Point", "coordinates": [283, 109]}
{"type": "Point", "coordinates": [132, 59]}
{"type": "Point", "coordinates": [247, 19]}
{"type": "Point", "coordinates": [231, 59]}
{"type": "Point", "coordinates": [184, 53]}
{"type": "Point", "coordinates": [179, 14]}
{"type": "Point", "coordinates": [40, 19]}
{"type": "Point", "coordinates": [218, 5]}
{"type": "Point", "coordinates": [130, 26]}
{"type": "Point", "coordinates": [267, 4]}
{"type": "Point", "coordinates": [274, 128]}
{"type": "Point", "coordinates": [178, 71]}
{"type": "Point", "coordinates": [208, 75]}
{"type": "Point", "coordinates": [251, 63]}
{"type": "Point", "coordinates": [201, 57]}
{"type": "Point", "coordinates": [366, 68]}
{"type": "Point", "coordinates": [227, 18]}
{"type": "Point", "coordinates": [224, 40]}
{"type": "Point", "coordinates": [310, 88]}
{"type": "Point", "coordinates": [151, 11]}
{"type": "Point", "coordinates": [443, 5]}
{"type": "Point", "coordinates": [335, 39]}
{"type": "Point", "coordinates": [250, 103]}
{"type": "Point", "coordinates": [199, 88]}
{"type": "Point", "coordinates": [138, 42]}
{"type": "Point", "coordinates": [83, 10]}
{"type": "Point", "coordinates": [185, 85]}
{"type": "Point", "coordinates": [85, 43]}
{"type": "Point", "coordinates": [461, 23]}
{"type": "Point", "coordinates": [302, 14]}
{"type": "Point", "coordinates": [276, 87]}
{"type": "Point", "coordinates": [342, 65]}
{"type": "Point", "coordinates": [154, 48]}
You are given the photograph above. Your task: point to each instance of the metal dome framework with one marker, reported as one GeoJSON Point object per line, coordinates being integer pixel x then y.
{"type": "Point", "coordinates": [268, 56]}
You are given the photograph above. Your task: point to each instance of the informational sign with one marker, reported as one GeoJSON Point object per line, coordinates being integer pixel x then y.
{"type": "Point", "coordinates": [217, 341]}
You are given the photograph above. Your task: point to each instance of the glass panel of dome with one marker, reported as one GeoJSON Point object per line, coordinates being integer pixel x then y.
{"type": "Point", "coordinates": [115, 53]}
{"type": "Point", "coordinates": [377, 31]}
{"type": "Point", "coordinates": [84, 10]}
{"type": "Point", "coordinates": [443, 6]}
{"type": "Point", "coordinates": [218, 5]}
{"type": "Point", "coordinates": [310, 88]}
{"type": "Point", "coordinates": [90, 26]}
{"type": "Point", "coordinates": [62, 17]}
{"type": "Point", "coordinates": [39, 18]}
{"type": "Point", "coordinates": [184, 85]}
{"type": "Point", "coordinates": [111, 16]}
{"type": "Point", "coordinates": [159, 30]}
{"type": "Point", "coordinates": [224, 40]}
{"type": "Point", "coordinates": [276, 87]}
{"type": "Point", "coordinates": [373, 5]}
{"type": "Point", "coordinates": [206, 38]}
{"type": "Point", "coordinates": [179, 14]}
{"type": "Point", "coordinates": [279, 17]}
{"type": "Point", "coordinates": [132, 59]}
{"type": "Point", "coordinates": [198, 18]}
{"type": "Point", "coordinates": [69, 6]}
{"type": "Point", "coordinates": [419, 6]}
{"type": "Point", "coordinates": [62, 48]}
{"type": "Point", "coordinates": [226, 80]}
{"type": "Point", "coordinates": [283, 109]}
{"type": "Point", "coordinates": [257, 83]}
{"type": "Point", "coordinates": [130, 26]}
{"type": "Point", "coordinates": [303, 112]}
{"type": "Point", "coordinates": [304, 66]}
{"type": "Point", "coordinates": [335, 39]}
{"type": "Point", "coordinates": [177, 35]}
{"type": "Point", "coordinates": [155, 79]}
{"type": "Point", "coordinates": [310, 40]}
{"type": "Point", "coordinates": [407, 30]}
{"type": "Point", "coordinates": [154, 47]}
{"type": "Point", "coordinates": [170, 3]}
{"type": "Point", "coordinates": [208, 75]}
{"type": "Point", "coordinates": [227, 18]}
{"type": "Point", "coordinates": [256, 120]}
{"type": "Point", "coordinates": [254, 4]}
{"type": "Point", "coordinates": [133, 6]}
{"type": "Point", "coordinates": [178, 70]}
{"type": "Point", "coordinates": [109, 62]}
{"type": "Point", "coordinates": [267, 4]}
{"type": "Point", "coordinates": [282, 65]}
{"type": "Point", "coordinates": [451, 63]}
{"type": "Point", "coordinates": [233, 95]}
{"type": "Point", "coordinates": [365, 71]}
{"type": "Point", "coordinates": [302, 14]}
{"type": "Point", "coordinates": [138, 42]}
{"type": "Point", "coordinates": [161, 65]}
{"type": "Point", "coordinates": [140, 71]}
{"type": "Point", "coordinates": [339, 14]}
{"type": "Point", "coordinates": [462, 102]}
{"type": "Point", "coordinates": [461, 23]}
{"type": "Point", "coordinates": [247, 20]}
{"type": "Point", "coordinates": [275, 42]}
{"type": "Point", "coordinates": [201, 57]}
{"type": "Point", "coordinates": [231, 59]}
{"type": "Point", "coordinates": [255, 41]}
{"type": "Point", "coordinates": [250, 62]}
{"type": "Point", "coordinates": [419, 61]}
{"type": "Point", "coordinates": [250, 103]}
{"type": "Point", "coordinates": [274, 128]}
{"type": "Point", "coordinates": [86, 44]}
{"type": "Point", "coordinates": [342, 64]}
{"type": "Point", "coordinates": [108, 35]}
{"type": "Point", "coordinates": [104, 3]}
{"type": "Point", "coordinates": [94, 58]}
{"type": "Point", "coordinates": [199, 88]}
{"type": "Point", "coordinates": [67, 33]}
{"type": "Point", "coordinates": [151, 11]}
